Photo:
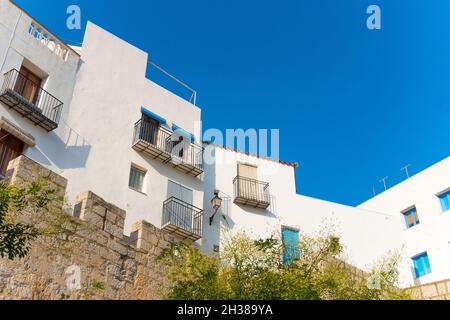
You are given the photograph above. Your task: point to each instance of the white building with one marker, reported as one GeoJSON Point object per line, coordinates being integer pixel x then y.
{"type": "Point", "coordinates": [99, 122]}
{"type": "Point", "coordinates": [420, 208]}
{"type": "Point", "coordinates": [37, 79]}
{"type": "Point", "coordinates": [248, 183]}
{"type": "Point", "coordinates": [93, 117]}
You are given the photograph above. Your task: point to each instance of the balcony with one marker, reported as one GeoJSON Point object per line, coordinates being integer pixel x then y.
{"type": "Point", "coordinates": [166, 146]}
{"type": "Point", "coordinates": [182, 219]}
{"type": "Point", "coordinates": [31, 101]}
{"type": "Point", "coordinates": [251, 192]}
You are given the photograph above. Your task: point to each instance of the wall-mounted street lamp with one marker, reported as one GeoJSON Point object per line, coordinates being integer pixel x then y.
{"type": "Point", "coordinates": [216, 204]}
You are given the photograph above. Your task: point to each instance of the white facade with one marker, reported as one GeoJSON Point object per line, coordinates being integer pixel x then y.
{"type": "Point", "coordinates": [359, 229]}
{"type": "Point", "coordinates": [432, 234]}
{"type": "Point", "coordinates": [108, 97]}
{"type": "Point", "coordinates": [19, 47]}
{"type": "Point", "coordinates": [104, 89]}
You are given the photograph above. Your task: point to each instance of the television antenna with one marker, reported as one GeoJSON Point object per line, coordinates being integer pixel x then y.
{"type": "Point", "coordinates": [384, 182]}
{"type": "Point", "coordinates": [405, 169]}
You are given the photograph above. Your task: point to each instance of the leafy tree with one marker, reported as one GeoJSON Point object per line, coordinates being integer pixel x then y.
{"type": "Point", "coordinates": [28, 212]}
{"type": "Point", "coordinates": [253, 270]}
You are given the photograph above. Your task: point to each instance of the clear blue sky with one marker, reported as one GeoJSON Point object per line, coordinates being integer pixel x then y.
{"type": "Point", "coordinates": [352, 105]}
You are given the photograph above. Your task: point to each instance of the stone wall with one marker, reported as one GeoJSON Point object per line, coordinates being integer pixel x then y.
{"type": "Point", "coordinates": [108, 264]}
{"type": "Point", "coordinates": [432, 291]}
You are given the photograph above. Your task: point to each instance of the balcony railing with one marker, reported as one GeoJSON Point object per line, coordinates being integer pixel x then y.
{"type": "Point", "coordinates": [162, 144]}
{"type": "Point", "coordinates": [251, 192]}
{"type": "Point", "coordinates": [182, 219]}
{"type": "Point", "coordinates": [30, 100]}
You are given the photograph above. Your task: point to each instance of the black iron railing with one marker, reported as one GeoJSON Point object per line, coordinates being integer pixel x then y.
{"type": "Point", "coordinates": [180, 148]}
{"type": "Point", "coordinates": [28, 98]}
{"type": "Point", "coordinates": [251, 191]}
{"type": "Point", "coordinates": [182, 215]}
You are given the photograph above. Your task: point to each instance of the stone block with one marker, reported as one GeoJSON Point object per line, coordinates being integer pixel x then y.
{"type": "Point", "coordinates": [441, 288]}
{"type": "Point", "coordinates": [429, 291]}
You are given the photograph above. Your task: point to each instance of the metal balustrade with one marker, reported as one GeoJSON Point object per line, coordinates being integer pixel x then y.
{"type": "Point", "coordinates": [162, 144]}
{"type": "Point", "coordinates": [182, 219]}
{"type": "Point", "coordinates": [251, 192]}
{"type": "Point", "coordinates": [30, 100]}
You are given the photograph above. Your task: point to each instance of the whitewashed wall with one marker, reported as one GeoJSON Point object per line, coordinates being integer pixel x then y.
{"type": "Point", "coordinates": [110, 90]}
{"type": "Point", "coordinates": [433, 232]}
{"type": "Point", "coordinates": [16, 44]}
{"type": "Point", "coordinates": [366, 235]}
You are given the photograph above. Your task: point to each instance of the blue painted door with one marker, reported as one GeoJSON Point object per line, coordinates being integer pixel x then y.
{"type": "Point", "coordinates": [291, 245]}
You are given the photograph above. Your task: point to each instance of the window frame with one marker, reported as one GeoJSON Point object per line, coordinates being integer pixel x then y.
{"type": "Point", "coordinates": [142, 182]}
{"type": "Point", "coordinates": [413, 212]}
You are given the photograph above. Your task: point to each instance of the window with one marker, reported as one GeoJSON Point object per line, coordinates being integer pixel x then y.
{"type": "Point", "coordinates": [421, 265]}
{"type": "Point", "coordinates": [10, 148]}
{"type": "Point", "coordinates": [445, 200]}
{"type": "Point", "coordinates": [411, 217]}
{"type": "Point", "coordinates": [291, 245]}
{"type": "Point", "coordinates": [136, 181]}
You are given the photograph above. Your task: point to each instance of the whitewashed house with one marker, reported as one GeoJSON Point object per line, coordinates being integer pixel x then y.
{"type": "Point", "coordinates": [90, 114]}
{"type": "Point", "coordinates": [37, 76]}
{"type": "Point", "coordinates": [93, 117]}
{"type": "Point", "coordinates": [420, 207]}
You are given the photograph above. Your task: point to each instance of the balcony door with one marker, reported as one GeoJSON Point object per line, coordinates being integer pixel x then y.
{"type": "Point", "coordinates": [10, 148]}
{"type": "Point", "coordinates": [150, 130]}
{"type": "Point", "coordinates": [248, 186]}
{"type": "Point", "coordinates": [27, 85]}
{"type": "Point", "coordinates": [182, 210]}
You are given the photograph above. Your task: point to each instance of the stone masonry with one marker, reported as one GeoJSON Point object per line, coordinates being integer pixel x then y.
{"type": "Point", "coordinates": [108, 264]}
{"type": "Point", "coordinates": [432, 291]}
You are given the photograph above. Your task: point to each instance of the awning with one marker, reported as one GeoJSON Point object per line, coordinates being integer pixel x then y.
{"type": "Point", "coordinates": [17, 132]}
{"type": "Point", "coordinates": [153, 115]}
{"type": "Point", "coordinates": [183, 132]}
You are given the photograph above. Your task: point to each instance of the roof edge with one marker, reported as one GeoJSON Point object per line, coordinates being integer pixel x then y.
{"type": "Point", "coordinates": [290, 164]}
{"type": "Point", "coordinates": [53, 34]}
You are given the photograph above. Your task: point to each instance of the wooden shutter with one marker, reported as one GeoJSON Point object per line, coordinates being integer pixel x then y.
{"type": "Point", "coordinates": [150, 130]}
{"type": "Point", "coordinates": [409, 218]}
{"type": "Point", "coordinates": [29, 84]}
{"type": "Point", "coordinates": [247, 171]}
{"type": "Point", "coordinates": [10, 148]}
{"type": "Point", "coordinates": [248, 188]}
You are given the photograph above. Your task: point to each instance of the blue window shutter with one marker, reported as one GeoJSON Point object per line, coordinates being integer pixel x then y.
{"type": "Point", "coordinates": [445, 201]}
{"type": "Point", "coordinates": [291, 245]}
{"type": "Point", "coordinates": [421, 265]}
{"type": "Point", "coordinates": [416, 263]}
